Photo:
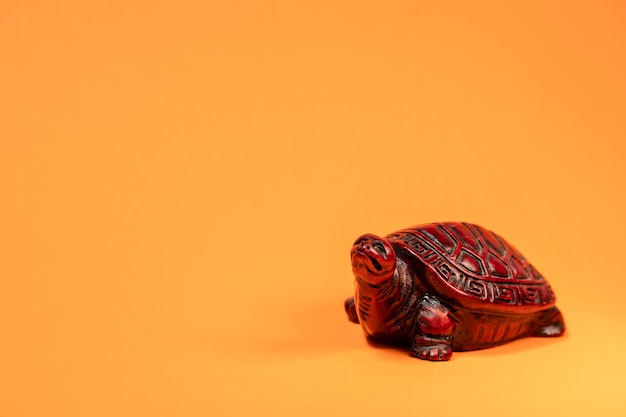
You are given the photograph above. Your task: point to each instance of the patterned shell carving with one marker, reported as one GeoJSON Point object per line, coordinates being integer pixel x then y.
{"type": "Point", "coordinates": [474, 267]}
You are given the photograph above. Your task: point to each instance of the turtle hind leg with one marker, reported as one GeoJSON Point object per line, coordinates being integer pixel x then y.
{"type": "Point", "coordinates": [551, 324]}
{"type": "Point", "coordinates": [351, 310]}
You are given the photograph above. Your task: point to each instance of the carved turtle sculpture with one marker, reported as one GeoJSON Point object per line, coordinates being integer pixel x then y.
{"type": "Point", "coordinates": [443, 287]}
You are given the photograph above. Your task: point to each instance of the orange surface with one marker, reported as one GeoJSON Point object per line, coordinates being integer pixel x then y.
{"type": "Point", "coordinates": [181, 183]}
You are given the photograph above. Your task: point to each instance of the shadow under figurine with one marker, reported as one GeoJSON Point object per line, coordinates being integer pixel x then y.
{"type": "Point", "coordinates": [441, 287]}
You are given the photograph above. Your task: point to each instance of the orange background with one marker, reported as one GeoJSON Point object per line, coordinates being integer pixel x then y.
{"type": "Point", "coordinates": [181, 183]}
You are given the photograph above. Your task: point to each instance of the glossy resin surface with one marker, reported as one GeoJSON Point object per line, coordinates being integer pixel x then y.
{"type": "Point", "coordinates": [441, 287]}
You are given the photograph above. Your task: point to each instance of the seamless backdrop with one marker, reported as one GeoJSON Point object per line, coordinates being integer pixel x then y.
{"type": "Point", "coordinates": [181, 182]}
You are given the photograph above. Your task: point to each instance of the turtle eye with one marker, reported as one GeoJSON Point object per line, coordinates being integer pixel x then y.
{"type": "Point", "coordinates": [380, 249]}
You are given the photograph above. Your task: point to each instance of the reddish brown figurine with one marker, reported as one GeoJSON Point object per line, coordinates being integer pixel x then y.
{"type": "Point", "coordinates": [448, 286]}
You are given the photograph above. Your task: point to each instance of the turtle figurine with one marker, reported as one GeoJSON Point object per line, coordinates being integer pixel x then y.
{"type": "Point", "coordinates": [443, 287]}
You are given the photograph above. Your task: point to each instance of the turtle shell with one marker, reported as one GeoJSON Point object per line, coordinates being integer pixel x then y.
{"type": "Point", "coordinates": [474, 268]}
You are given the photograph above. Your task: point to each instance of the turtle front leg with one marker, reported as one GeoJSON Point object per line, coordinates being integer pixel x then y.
{"type": "Point", "coordinates": [433, 339]}
{"type": "Point", "coordinates": [351, 310]}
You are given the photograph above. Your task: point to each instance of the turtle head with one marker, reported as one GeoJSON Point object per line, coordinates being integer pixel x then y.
{"type": "Point", "coordinates": [373, 259]}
